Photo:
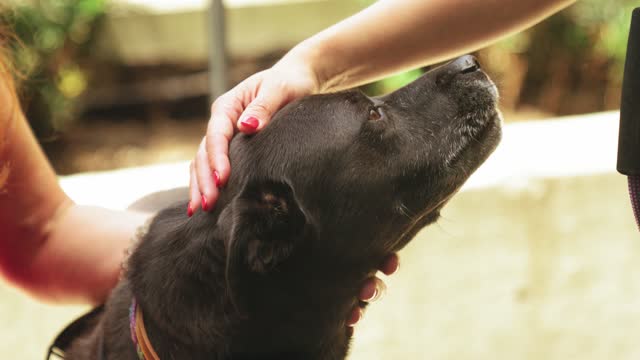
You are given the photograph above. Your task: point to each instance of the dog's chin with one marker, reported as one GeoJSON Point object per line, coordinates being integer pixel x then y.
{"type": "Point", "coordinates": [490, 131]}
{"type": "Point", "coordinates": [484, 135]}
{"type": "Point", "coordinates": [489, 135]}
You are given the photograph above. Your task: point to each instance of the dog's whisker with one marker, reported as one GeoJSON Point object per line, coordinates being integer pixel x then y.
{"type": "Point", "coordinates": [404, 210]}
{"type": "Point", "coordinates": [444, 229]}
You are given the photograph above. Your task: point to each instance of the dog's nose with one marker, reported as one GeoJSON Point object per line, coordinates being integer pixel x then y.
{"type": "Point", "coordinates": [462, 65]}
{"type": "Point", "coordinates": [467, 64]}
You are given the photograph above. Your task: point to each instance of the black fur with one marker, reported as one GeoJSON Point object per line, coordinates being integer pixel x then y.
{"type": "Point", "coordinates": [314, 204]}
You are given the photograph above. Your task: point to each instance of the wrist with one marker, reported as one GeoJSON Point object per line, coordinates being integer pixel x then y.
{"type": "Point", "coordinates": [306, 58]}
{"type": "Point", "coordinates": [334, 66]}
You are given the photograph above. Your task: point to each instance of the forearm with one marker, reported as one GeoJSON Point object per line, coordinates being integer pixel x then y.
{"type": "Point", "coordinates": [81, 258]}
{"type": "Point", "coordinates": [50, 247]}
{"type": "Point", "coordinates": [395, 35]}
{"type": "Point", "coordinates": [29, 193]}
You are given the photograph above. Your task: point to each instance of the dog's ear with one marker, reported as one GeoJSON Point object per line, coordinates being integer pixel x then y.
{"type": "Point", "coordinates": [267, 221]}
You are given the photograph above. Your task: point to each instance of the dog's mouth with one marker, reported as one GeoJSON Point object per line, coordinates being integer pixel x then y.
{"type": "Point", "coordinates": [477, 129]}
{"type": "Point", "coordinates": [482, 134]}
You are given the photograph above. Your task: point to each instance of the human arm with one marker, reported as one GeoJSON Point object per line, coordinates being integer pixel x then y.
{"type": "Point", "coordinates": [51, 247]}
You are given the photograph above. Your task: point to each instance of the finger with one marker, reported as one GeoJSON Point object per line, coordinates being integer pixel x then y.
{"type": "Point", "coordinates": [217, 146]}
{"type": "Point", "coordinates": [372, 290]}
{"type": "Point", "coordinates": [260, 111]}
{"type": "Point", "coordinates": [194, 191]}
{"type": "Point", "coordinates": [390, 264]}
{"type": "Point", "coordinates": [354, 316]}
{"type": "Point", "coordinates": [204, 175]}
{"type": "Point", "coordinates": [350, 331]}
{"type": "Point", "coordinates": [224, 114]}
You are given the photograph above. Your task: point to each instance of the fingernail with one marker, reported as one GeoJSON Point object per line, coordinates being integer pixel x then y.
{"type": "Point", "coordinates": [189, 210]}
{"type": "Point", "coordinates": [391, 266]}
{"type": "Point", "coordinates": [251, 122]}
{"type": "Point", "coordinates": [216, 178]}
{"type": "Point", "coordinates": [205, 206]}
{"type": "Point", "coordinates": [354, 317]}
{"type": "Point", "coordinates": [374, 296]}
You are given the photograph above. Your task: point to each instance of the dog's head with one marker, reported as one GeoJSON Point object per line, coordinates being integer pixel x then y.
{"type": "Point", "coordinates": [353, 178]}
{"type": "Point", "coordinates": [314, 203]}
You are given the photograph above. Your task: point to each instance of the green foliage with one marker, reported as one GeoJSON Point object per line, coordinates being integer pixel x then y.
{"type": "Point", "coordinates": [54, 41]}
{"type": "Point", "coordinates": [392, 83]}
{"type": "Point", "coordinates": [597, 26]}
{"type": "Point", "coordinates": [614, 18]}
{"type": "Point", "coordinates": [600, 29]}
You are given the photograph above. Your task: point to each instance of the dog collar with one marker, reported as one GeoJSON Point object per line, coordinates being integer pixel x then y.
{"type": "Point", "coordinates": [139, 333]}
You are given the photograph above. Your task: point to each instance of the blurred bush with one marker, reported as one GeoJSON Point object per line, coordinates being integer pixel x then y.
{"type": "Point", "coordinates": [570, 63]}
{"type": "Point", "coordinates": [52, 56]}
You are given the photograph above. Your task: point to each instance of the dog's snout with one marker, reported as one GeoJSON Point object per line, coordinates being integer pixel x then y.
{"type": "Point", "coordinates": [462, 65]}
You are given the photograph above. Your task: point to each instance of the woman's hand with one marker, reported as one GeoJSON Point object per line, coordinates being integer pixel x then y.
{"type": "Point", "coordinates": [248, 107]}
{"type": "Point", "coordinates": [373, 288]}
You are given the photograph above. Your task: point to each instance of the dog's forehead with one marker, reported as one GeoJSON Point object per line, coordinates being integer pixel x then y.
{"type": "Point", "coordinates": [316, 123]}
{"type": "Point", "coordinates": [305, 136]}
{"type": "Point", "coordinates": [334, 113]}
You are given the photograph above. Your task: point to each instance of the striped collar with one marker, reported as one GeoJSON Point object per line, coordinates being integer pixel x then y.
{"type": "Point", "coordinates": [139, 336]}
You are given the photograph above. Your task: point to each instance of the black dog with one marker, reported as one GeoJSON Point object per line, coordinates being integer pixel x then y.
{"type": "Point", "coordinates": [315, 202]}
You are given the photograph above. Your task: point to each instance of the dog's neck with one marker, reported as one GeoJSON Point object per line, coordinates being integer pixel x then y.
{"type": "Point", "coordinates": [178, 276]}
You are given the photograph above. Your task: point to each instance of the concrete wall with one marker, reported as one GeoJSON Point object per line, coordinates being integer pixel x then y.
{"type": "Point", "coordinates": [549, 271]}
{"type": "Point", "coordinates": [538, 258]}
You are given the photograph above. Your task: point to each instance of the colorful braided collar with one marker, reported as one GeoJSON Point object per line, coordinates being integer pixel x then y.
{"type": "Point", "coordinates": [139, 333]}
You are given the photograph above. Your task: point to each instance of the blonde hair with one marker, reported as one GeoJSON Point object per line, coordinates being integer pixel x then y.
{"type": "Point", "coordinates": [8, 73]}
{"type": "Point", "coordinates": [10, 100]}
{"type": "Point", "coordinates": [5, 66]}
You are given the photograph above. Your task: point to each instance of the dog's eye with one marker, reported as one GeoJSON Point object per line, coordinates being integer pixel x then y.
{"type": "Point", "coordinates": [375, 114]}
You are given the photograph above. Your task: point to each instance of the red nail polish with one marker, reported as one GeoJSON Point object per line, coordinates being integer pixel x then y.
{"type": "Point", "coordinates": [354, 317]}
{"type": "Point", "coordinates": [251, 122]}
{"type": "Point", "coordinates": [189, 210]}
{"type": "Point", "coordinates": [205, 206]}
{"type": "Point", "coordinates": [216, 178]}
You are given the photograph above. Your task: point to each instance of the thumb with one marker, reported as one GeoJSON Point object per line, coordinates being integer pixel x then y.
{"type": "Point", "coordinates": [260, 111]}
